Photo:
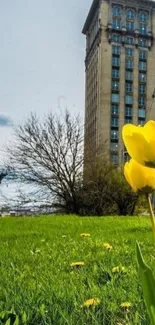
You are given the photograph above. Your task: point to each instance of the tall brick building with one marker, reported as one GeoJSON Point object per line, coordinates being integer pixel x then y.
{"type": "Point", "coordinates": [120, 71]}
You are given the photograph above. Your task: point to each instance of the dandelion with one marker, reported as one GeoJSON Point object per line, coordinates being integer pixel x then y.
{"type": "Point", "coordinates": [107, 246]}
{"type": "Point", "coordinates": [126, 305]}
{"type": "Point", "coordinates": [77, 264]}
{"type": "Point", "coordinates": [92, 302]}
{"type": "Point", "coordinates": [84, 235]}
{"type": "Point", "coordinates": [116, 269]}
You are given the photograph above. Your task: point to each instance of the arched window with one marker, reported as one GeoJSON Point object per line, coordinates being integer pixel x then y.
{"type": "Point", "coordinates": [116, 11]}
{"type": "Point", "coordinates": [143, 16]}
{"type": "Point", "coordinates": [130, 14]}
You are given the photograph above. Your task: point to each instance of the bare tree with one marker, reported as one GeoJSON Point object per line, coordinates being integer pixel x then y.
{"type": "Point", "coordinates": [49, 155]}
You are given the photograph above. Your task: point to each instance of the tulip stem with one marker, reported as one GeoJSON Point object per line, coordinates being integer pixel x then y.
{"type": "Point", "coordinates": [151, 214]}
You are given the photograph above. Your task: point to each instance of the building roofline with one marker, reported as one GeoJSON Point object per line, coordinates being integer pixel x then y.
{"type": "Point", "coordinates": [90, 15]}
{"type": "Point", "coordinates": [93, 8]}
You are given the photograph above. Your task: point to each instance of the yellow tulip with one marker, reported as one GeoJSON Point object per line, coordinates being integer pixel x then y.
{"type": "Point", "coordinates": [140, 142]}
{"type": "Point", "coordinates": [140, 178]}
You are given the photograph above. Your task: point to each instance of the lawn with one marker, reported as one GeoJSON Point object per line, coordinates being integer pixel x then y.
{"type": "Point", "coordinates": [39, 286]}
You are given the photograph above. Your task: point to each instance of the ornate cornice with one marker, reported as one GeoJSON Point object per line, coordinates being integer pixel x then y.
{"type": "Point", "coordinates": [143, 4]}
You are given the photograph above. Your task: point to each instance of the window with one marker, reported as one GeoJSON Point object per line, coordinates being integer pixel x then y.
{"type": "Point", "coordinates": [116, 23]}
{"type": "Point", "coordinates": [115, 61]}
{"type": "Point", "coordinates": [115, 85]}
{"type": "Point", "coordinates": [143, 29]}
{"type": "Point", "coordinates": [142, 113]}
{"type": "Point", "coordinates": [128, 99]}
{"type": "Point", "coordinates": [142, 89]}
{"type": "Point", "coordinates": [128, 87]}
{"type": "Point", "coordinates": [115, 98]}
{"type": "Point", "coordinates": [143, 16]}
{"type": "Point", "coordinates": [114, 109]}
{"type": "Point", "coordinates": [129, 40]}
{"type": "Point", "coordinates": [128, 120]}
{"type": "Point", "coordinates": [129, 75]}
{"type": "Point", "coordinates": [114, 122]}
{"type": "Point", "coordinates": [114, 146]}
{"type": "Point", "coordinates": [114, 159]}
{"type": "Point", "coordinates": [128, 111]}
{"type": "Point", "coordinates": [142, 66]}
{"type": "Point", "coordinates": [130, 14]}
{"type": "Point", "coordinates": [129, 51]}
{"type": "Point", "coordinates": [129, 64]}
{"type": "Point", "coordinates": [115, 73]}
{"type": "Point", "coordinates": [114, 134]}
{"type": "Point", "coordinates": [141, 101]}
{"type": "Point", "coordinates": [116, 11]}
{"type": "Point", "coordinates": [116, 49]}
{"type": "Point", "coordinates": [116, 38]}
{"type": "Point", "coordinates": [142, 77]}
{"type": "Point", "coordinates": [143, 55]}
{"type": "Point", "coordinates": [130, 26]}
{"type": "Point", "coordinates": [142, 42]}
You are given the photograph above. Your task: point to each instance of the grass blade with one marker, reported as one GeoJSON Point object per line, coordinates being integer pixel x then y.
{"type": "Point", "coordinates": [148, 284]}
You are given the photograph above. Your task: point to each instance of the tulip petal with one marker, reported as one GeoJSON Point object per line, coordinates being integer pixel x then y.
{"type": "Point", "coordinates": [140, 178]}
{"type": "Point", "coordinates": [129, 129]}
{"type": "Point", "coordinates": [138, 174]}
{"type": "Point", "coordinates": [149, 130]}
{"type": "Point", "coordinates": [128, 175]}
{"type": "Point", "coordinates": [137, 147]}
{"type": "Point", "coordinates": [151, 181]}
{"type": "Point", "coordinates": [140, 142]}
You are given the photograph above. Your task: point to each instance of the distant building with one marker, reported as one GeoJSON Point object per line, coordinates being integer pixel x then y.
{"type": "Point", "coordinates": [120, 71]}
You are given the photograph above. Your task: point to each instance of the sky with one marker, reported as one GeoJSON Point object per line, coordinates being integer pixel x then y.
{"type": "Point", "coordinates": [42, 53]}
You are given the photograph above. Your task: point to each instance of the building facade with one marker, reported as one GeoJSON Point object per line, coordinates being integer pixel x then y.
{"type": "Point", "coordinates": [120, 71]}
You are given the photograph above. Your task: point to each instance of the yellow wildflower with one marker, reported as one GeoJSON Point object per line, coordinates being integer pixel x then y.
{"type": "Point", "coordinates": [126, 305]}
{"type": "Point", "coordinates": [91, 302]}
{"type": "Point", "coordinates": [107, 246]}
{"type": "Point", "coordinates": [116, 269]}
{"type": "Point", "coordinates": [140, 178]}
{"type": "Point", "coordinates": [84, 235]}
{"type": "Point", "coordinates": [77, 264]}
{"type": "Point", "coordinates": [140, 142]}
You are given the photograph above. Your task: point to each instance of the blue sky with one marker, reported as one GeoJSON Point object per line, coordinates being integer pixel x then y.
{"type": "Point", "coordinates": [41, 58]}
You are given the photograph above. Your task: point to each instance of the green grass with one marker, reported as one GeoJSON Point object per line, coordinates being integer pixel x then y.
{"type": "Point", "coordinates": [40, 287]}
